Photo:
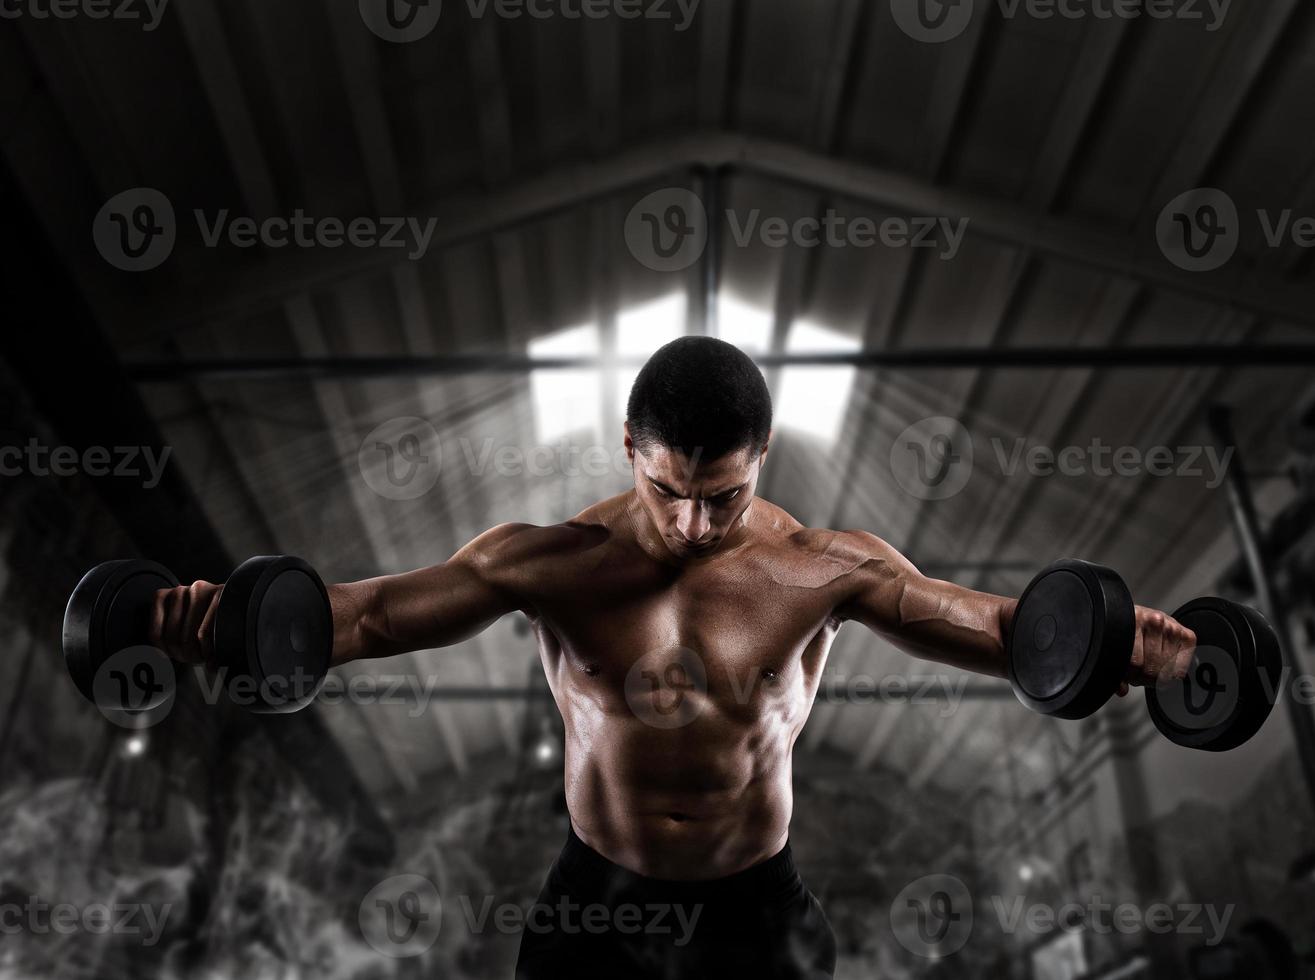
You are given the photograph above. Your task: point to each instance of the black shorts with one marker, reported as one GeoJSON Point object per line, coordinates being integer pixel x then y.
{"type": "Point", "coordinates": [595, 920]}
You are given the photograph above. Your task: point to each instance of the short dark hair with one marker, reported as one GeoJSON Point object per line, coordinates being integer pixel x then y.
{"type": "Point", "coordinates": [702, 397]}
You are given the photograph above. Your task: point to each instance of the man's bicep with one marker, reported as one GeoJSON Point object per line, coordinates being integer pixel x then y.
{"type": "Point", "coordinates": [925, 617]}
{"type": "Point", "coordinates": [877, 587]}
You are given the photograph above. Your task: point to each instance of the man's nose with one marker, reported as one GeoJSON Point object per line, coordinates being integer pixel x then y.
{"type": "Point", "coordinates": [692, 521]}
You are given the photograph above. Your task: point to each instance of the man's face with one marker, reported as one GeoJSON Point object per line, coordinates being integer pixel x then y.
{"type": "Point", "coordinates": [693, 505]}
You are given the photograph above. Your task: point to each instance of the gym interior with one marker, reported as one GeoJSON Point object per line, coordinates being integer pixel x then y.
{"type": "Point", "coordinates": [355, 282]}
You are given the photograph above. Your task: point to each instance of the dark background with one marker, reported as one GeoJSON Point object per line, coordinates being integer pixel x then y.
{"type": "Point", "coordinates": [1063, 317]}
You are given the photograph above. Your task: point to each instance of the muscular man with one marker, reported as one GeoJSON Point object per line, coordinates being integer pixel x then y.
{"type": "Point", "coordinates": [683, 627]}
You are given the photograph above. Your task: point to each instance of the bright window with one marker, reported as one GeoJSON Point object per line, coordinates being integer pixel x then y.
{"type": "Point", "coordinates": [813, 400]}
{"type": "Point", "coordinates": [567, 401]}
{"type": "Point", "coordinates": [747, 327]}
{"type": "Point", "coordinates": [640, 331]}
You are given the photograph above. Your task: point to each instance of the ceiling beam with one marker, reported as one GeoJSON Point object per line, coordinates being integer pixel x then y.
{"type": "Point", "coordinates": [974, 358]}
{"type": "Point", "coordinates": [251, 290]}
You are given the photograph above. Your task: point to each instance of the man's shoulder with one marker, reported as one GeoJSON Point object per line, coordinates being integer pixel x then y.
{"type": "Point", "coordinates": [517, 544]}
{"type": "Point", "coordinates": [815, 556]}
{"type": "Point", "coordinates": [777, 529]}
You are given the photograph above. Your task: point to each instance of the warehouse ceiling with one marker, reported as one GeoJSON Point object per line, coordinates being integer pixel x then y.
{"type": "Point", "coordinates": [523, 145]}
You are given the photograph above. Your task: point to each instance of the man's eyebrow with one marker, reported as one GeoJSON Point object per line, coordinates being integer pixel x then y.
{"type": "Point", "coordinates": [709, 496]}
{"type": "Point", "coordinates": [727, 491]}
{"type": "Point", "coordinates": [662, 486]}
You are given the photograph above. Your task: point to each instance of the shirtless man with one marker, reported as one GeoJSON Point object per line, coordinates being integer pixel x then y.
{"type": "Point", "coordinates": [683, 627]}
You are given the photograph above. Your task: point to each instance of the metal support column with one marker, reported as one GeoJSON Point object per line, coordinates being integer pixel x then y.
{"type": "Point", "coordinates": [1249, 537]}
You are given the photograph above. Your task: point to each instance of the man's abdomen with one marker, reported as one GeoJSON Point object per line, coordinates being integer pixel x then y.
{"type": "Point", "coordinates": [704, 799]}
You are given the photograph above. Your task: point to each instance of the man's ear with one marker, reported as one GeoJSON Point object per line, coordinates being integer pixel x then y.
{"type": "Point", "coordinates": [629, 443]}
{"type": "Point", "coordinates": [762, 457]}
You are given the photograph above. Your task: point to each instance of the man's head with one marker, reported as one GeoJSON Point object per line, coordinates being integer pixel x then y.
{"type": "Point", "coordinates": [697, 427]}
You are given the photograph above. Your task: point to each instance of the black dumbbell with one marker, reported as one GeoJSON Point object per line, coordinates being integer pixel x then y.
{"type": "Point", "coordinates": [273, 631]}
{"type": "Point", "coordinates": [1070, 647]}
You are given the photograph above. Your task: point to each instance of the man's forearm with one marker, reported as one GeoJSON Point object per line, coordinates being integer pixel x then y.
{"type": "Point", "coordinates": [352, 608]}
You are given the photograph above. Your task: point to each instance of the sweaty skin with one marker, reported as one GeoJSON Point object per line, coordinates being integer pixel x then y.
{"type": "Point", "coordinates": [683, 627]}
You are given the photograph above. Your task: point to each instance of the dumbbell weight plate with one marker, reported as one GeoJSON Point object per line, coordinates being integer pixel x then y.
{"type": "Point", "coordinates": [274, 634]}
{"type": "Point", "coordinates": [1233, 682]}
{"type": "Point", "coordinates": [1071, 639]}
{"type": "Point", "coordinates": [109, 611]}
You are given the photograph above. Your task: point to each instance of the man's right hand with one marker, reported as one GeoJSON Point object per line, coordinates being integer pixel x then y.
{"type": "Point", "coordinates": [182, 622]}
